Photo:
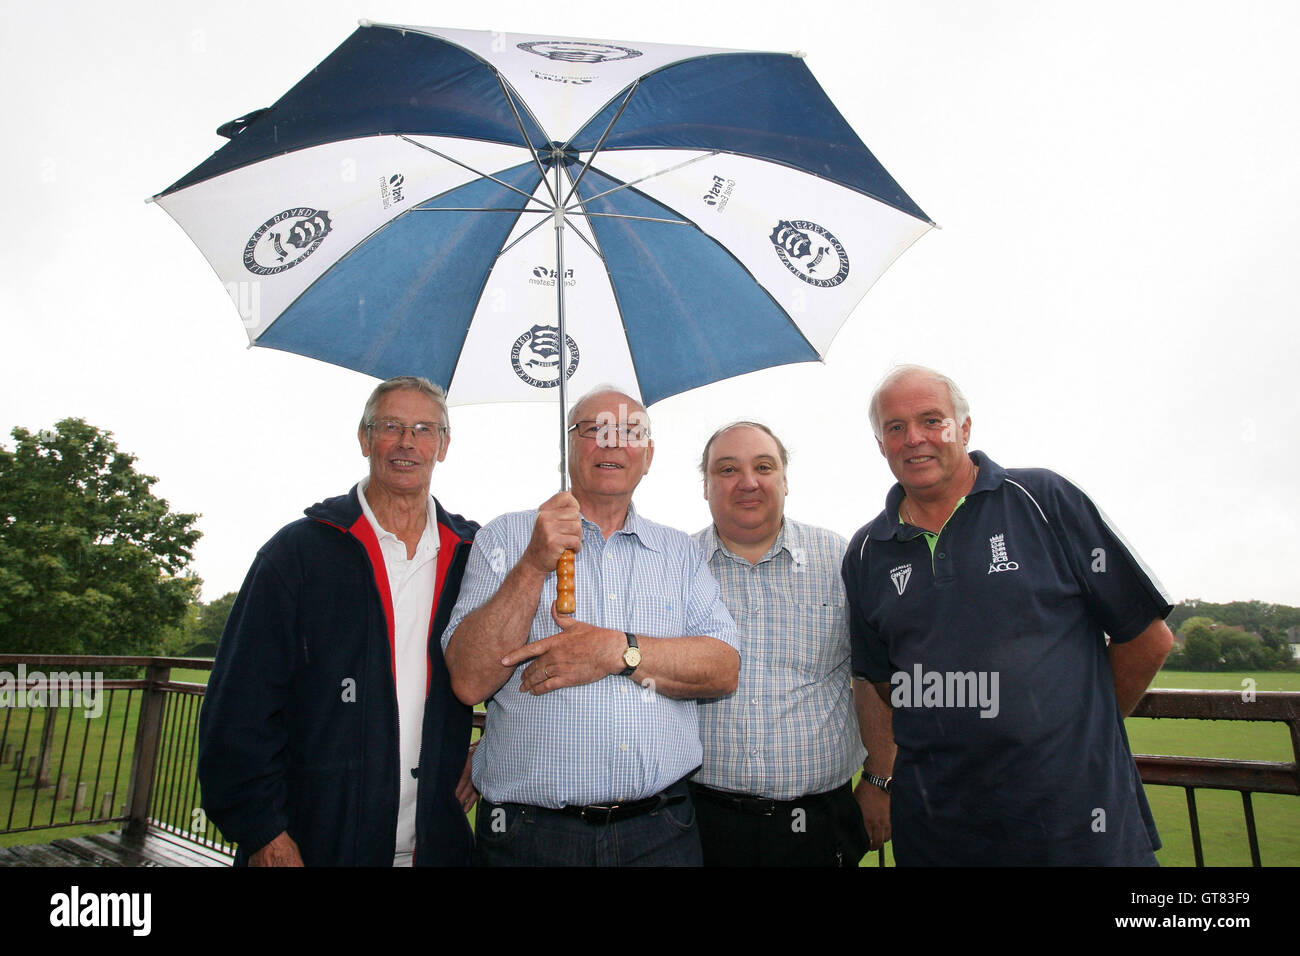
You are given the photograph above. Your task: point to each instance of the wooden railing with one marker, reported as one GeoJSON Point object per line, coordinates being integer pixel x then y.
{"type": "Point", "coordinates": [96, 750]}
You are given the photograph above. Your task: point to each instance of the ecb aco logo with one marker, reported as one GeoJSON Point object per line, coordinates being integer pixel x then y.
{"type": "Point", "coordinates": [810, 252]}
{"type": "Point", "coordinates": [998, 560]}
{"type": "Point", "coordinates": [578, 51]}
{"type": "Point", "coordinates": [286, 239]}
{"type": "Point", "coordinates": [535, 356]}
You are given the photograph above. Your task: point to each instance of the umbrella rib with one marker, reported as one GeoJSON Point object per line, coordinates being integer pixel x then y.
{"type": "Point", "coordinates": [477, 209]}
{"type": "Point", "coordinates": [619, 215]}
{"type": "Point", "coordinates": [599, 143]}
{"type": "Point", "coordinates": [476, 172]}
{"type": "Point", "coordinates": [659, 172]}
{"type": "Point", "coordinates": [523, 134]}
{"type": "Point", "coordinates": [526, 233]}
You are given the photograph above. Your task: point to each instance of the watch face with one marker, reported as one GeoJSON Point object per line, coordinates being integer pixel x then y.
{"type": "Point", "coordinates": [632, 657]}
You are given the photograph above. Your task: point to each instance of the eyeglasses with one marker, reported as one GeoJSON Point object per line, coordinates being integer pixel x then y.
{"type": "Point", "coordinates": [611, 434]}
{"type": "Point", "coordinates": [424, 432]}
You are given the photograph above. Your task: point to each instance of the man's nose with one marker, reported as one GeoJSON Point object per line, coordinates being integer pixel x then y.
{"type": "Point", "coordinates": [914, 435]}
{"type": "Point", "coordinates": [748, 479]}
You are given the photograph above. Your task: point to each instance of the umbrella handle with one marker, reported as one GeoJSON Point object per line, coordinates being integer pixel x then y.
{"type": "Point", "coordinates": [566, 601]}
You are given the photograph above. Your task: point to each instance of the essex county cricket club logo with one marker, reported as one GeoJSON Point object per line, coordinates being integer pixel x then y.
{"type": "Point", "coordinates": [536, 356]}
{"type": "Point", "coordinates": [810, 252]}
{"type": "Point", "coordinates": [285, 240]}
{"type": "Point", "coordinates": [578, 51]}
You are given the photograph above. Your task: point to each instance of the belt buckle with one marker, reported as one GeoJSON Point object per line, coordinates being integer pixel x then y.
{"type": "Point", "coordinates": [599, 814]}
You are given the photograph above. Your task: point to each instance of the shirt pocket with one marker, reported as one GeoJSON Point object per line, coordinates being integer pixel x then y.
{"type": "Point", "coordinates": [811, 639]}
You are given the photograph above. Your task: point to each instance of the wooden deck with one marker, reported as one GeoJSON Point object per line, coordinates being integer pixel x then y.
{"type": "Point", "coordinates": [114, 849]}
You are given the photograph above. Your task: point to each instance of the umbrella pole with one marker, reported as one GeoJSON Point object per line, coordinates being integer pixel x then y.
{"type": "Point", "coordinates": [566, 601]}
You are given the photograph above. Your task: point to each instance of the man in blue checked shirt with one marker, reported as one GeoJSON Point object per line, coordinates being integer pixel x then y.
{"type": "Point", "coordinates": [591, 719]}
{"type": "Point", "coordinates": [780, 752]}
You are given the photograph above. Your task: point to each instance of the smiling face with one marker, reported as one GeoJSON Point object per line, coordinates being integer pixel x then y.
{"type": "Point", "coordinates": [403, 467]}
{"type": "Point", "coordinates": [745, 486]}
{"type": "Point", "coordinates": [924, 445]}
{"type": "Point", "coordinates": [609, 469]}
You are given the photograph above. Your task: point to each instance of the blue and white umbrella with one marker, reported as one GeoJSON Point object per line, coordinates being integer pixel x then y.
{"type": "Point", "coordinates": [439, 202]}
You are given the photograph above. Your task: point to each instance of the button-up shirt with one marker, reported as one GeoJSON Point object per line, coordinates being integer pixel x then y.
{"type": "Point", "coordinates": [613, 739]}
{"type": "Point", "coordinates": [790, 728]}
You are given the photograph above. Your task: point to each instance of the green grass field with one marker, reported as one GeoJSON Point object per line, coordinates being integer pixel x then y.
{"type": "Point", "coordinates": [1223, 823]}
{"type": "Point", "coordinates": [1223, 828]}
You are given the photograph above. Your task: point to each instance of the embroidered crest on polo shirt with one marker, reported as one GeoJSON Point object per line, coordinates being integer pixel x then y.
{"type": "Point", "coordinates": [998, 560]}
{"type": "Point", "coordinates": [900, 576]}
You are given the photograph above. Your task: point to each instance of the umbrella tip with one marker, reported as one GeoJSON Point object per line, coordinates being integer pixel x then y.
{"type": "Point", "coordinates": [800, 54]}
{"type": "Point", "coordinates": [363, 22]}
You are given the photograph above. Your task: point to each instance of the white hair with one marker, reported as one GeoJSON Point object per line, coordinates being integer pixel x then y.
{"type": "Point", "coordinates": [960, 407]}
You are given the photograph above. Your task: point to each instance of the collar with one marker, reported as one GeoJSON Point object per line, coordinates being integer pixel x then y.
{"type": "Point", "coordinates": [887, 525]}
{"type": "Point", "coordinates": [343, 511]}
{"type": "Point", "coordinates": [647, 533]}
{"type": "Point", "coordinates": [428, 537]}
{"type": "Point", "coordinates": [789, 538]}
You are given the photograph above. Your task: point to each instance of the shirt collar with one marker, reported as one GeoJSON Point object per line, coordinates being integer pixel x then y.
{"type": "Point", "coordinates": [646, 532]}
{"type": "Point", "coordinates": [382, 533]}
{"type": "Point", "coordinates": [887, 526]}
{"type": "Point", "coordinates": [788, 538]}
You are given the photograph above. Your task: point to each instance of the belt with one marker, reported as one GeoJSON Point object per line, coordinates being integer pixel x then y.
{"type": "Point", "coordinates": [761, 806]}
{"type": "Point", "coordinates": [600, 814]}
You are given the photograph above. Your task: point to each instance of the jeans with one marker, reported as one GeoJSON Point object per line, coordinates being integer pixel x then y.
{"type": "Point", "coordinates": [516, 834]}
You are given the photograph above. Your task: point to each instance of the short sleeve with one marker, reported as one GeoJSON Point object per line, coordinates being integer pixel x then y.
{"type": "Point", "coordinates": [706, 613]}
{"type": "Point", "coordinates": [868, 650]}
{"type": "Point", "coordinates": [1123, 594]}
{"type": "Point", "coordinates": [484, 572]}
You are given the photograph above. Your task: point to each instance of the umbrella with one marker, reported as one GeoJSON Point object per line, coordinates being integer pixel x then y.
{"type": "Point", "coordinates": [512, 215]}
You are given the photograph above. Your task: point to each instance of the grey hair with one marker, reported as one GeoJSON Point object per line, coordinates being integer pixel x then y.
{"type": "Point", "coordinates": [603, 390]}
{"type": "Point", "coordinates": [415, 384]}
{"type": "Point", "coordinates": [780, 445]}
{"type": "Point", "coordinates": [960, 407]}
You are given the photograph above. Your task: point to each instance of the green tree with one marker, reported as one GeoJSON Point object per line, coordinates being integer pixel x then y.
{"type": "Point", "coordinates": [91, 562]}
{"type": "Point", "coordinates": [1201, 647]}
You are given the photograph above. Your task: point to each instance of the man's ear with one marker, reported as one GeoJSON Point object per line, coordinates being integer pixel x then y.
{"type": "Point", "coordinates": [363, 439]}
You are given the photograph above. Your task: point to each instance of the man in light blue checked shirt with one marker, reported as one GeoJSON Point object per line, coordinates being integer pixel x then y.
{"type": "Point", "coordinates": [591, 719]}
{"type": "Point", "coordinates": [780, 752]}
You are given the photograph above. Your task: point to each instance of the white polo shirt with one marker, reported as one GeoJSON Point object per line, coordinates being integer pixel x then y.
{"type": "Point", "coordinates": [411, 583]}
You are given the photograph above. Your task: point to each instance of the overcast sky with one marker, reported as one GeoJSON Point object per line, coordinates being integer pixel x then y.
{"type": "Point", "coordinates": [1115, 283]}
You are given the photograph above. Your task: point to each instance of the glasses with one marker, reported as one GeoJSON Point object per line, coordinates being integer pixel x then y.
{"type": "Point", "coordinates": [611, 434]}
{"type": "Point", "coordinates": [424, 432]}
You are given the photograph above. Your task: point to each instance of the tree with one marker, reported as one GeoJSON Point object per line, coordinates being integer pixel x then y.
{"type": "Point", "coordinates": [91, 562]}
{"type": "Point", "coordinates": [1202, 648]}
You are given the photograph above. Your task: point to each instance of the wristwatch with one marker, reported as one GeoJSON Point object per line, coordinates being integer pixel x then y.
{"type": "Point", "coordinates": [884, 783]}
{"type": "Point", "coordinates": [631, 656]}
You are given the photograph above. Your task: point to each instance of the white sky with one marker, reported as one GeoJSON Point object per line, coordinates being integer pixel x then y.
{"type": "Point", "coordinates": [1115, 285]}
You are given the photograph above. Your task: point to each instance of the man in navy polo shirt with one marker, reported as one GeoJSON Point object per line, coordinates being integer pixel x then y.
{"type": "Point", "coordinates": [980, 603]}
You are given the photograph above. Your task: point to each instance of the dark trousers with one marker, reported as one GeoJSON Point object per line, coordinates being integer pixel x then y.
{"type": "Point", "coordinates": [823, 829]}
{"type": "Point", "coordinates": [516, 834]}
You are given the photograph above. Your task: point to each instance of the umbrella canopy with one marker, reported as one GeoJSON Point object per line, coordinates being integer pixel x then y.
{"type": "Point", "coordinates": [432, 201]}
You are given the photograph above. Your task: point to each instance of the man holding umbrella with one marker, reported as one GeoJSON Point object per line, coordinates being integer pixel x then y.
{"type": "Point", "coordinates": [586, 747]}
{"type": "Point", "coordinates": [329, 734]}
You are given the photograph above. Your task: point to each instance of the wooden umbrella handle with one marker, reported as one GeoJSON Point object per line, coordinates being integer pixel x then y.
{"type": "Point", "coordinates": [566, 601]}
